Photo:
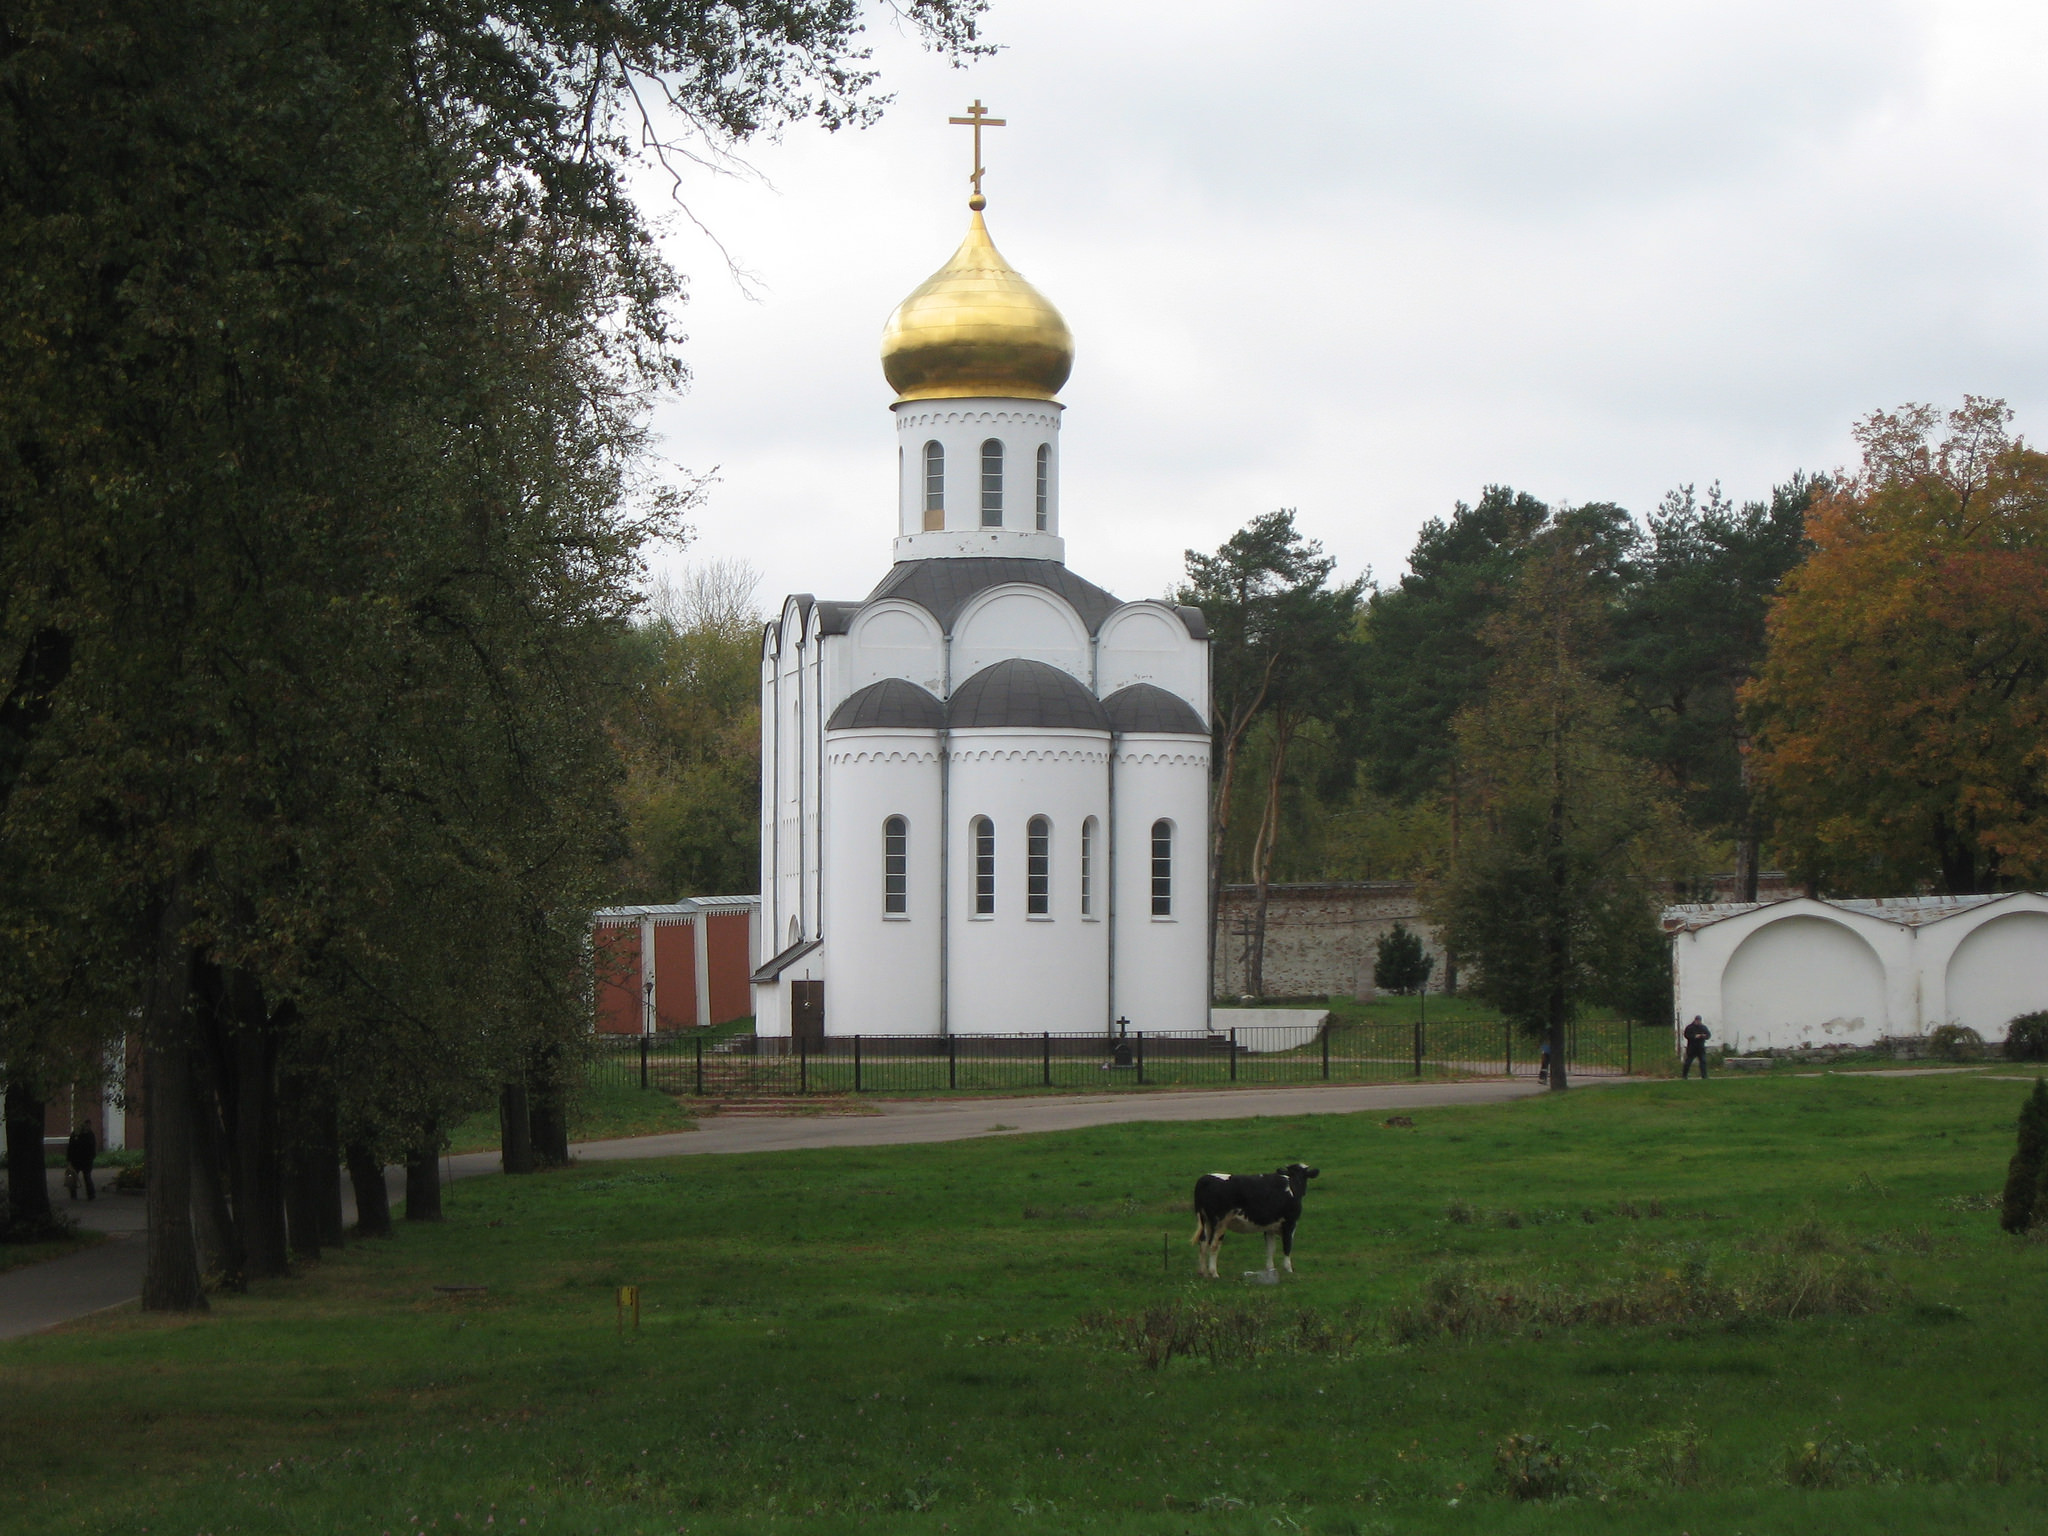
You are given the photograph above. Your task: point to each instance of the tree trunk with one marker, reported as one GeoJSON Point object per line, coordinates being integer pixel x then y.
{"type": "Point", "coordinates": [549, 1117]}
{"type": "Point", "coordinates": [28, 1183]}
{"type": "Point", "coordinates": [1457, 808]}
{"type": "Point", "coordinates": [220, 1244]}
{"type": "Point", "coordinates": [326, 1170]}
{"type": "Point", "coordinates": [301, 1208]}
{"type": "Point", "coordinates": [1263, 847]}
{"type": "Point", "coordinates": [170, 1276]}
{"type": "Point", "coordinates": [515, 1129]}
{"type": "Point", "coordinates": [423, 1178]}
{"type": "Point", "coordinates": [373, 1199]}
{"type": "Point", "coordinates": [259, 1181]}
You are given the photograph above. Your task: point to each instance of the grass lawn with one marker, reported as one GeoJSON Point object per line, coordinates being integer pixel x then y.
{"type": "Point", "coordinates": [1767, 1305]}
{"type": "Point", "coordinates": [602, 1112]}
{"type": "Point", "coordinates": [20, 1255]}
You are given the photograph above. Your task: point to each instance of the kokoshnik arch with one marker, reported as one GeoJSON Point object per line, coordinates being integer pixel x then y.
{"type": "Point", "coordinates": [984, 786]}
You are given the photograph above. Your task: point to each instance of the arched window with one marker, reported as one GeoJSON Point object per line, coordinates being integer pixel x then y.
{"type": "Point", "coordinates": [1044, 482]}
{"type": "Point", "coordinates": [992, 484]}
{"type": "Point", "coordinates": [1162, 869]}
{"type": "Point", "coordinates": [934, 487]}
{"type": "Point", "coordinates": [984, 867]}
{"type": "Point", "coordinates": [1038, 867]}
{"type": "Point", "coordinates": [1088, 867]}
{"type": "Point", "coordinates": [895, 867]}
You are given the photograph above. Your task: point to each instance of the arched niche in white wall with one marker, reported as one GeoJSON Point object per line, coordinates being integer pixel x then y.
{"type": "Point", "coordinates": [1026, 622]}
{"type": "Point", "coordinates": [1802, 980]}
{"type": "Point", "coordinates": [1999, 970]}
{"type": "Point", "coordinates": [1149, 643]}
{"type": "Point", "coordinates": [896, 640]}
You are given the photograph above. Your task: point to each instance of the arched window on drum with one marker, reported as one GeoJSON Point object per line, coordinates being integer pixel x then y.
{"type": "Point", "coordinates": [934, 487]}
{"type": "Point", "coordinates": [992, 484]}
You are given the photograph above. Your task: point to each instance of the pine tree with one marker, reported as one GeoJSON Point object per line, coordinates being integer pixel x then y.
{"type": "Point", "coordinates": [1400, 963]}
{"type": "Point", "coordinates": [2020, 1207]}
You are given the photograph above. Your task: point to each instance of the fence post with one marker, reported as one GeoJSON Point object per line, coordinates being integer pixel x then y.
{"type": "Point", "coordinates": [1326, 1050]}
{"type": "Point", "coordinates": [1045, 1047]}
{"type": "Point", "coordinates": [1628, 1041]}
{"type": "Point", "coordinates": [1507, 1048]}
{"type": "Point", "coordinates": [1418, 1047]}
{"type": "Point", "coordinates": [1141, 1058]}
{"type": "Point", "coordinates": [856, 1063]}
{"type": "Point", "coordinates": [1233, 1055]}
{"type": "Point", "coordinates": [952, 1061]}
{"type": "Point", "coordinates": [803, 1065]}
{"type": "Point", "coordinates": [700, 1066]}
{"type": "Point", "coordinates": [643, 1061]}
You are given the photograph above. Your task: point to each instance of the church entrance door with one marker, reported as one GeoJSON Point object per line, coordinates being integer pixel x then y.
{"type": "Point", "coordinates": [807, 1012]}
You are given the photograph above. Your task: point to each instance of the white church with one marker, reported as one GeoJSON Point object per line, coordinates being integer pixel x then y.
{"type": "Point", "coordinates": [984, 802]}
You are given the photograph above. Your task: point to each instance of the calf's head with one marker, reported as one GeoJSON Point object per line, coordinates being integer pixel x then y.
{"type": "Point", "coordinates": [1297, 1176]}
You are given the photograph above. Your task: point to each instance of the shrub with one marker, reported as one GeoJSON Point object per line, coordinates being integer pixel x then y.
{"type": "Point", "coordinates": [2026, 1037]}
{"type": "Point", "coordinates": [1529, 1468]}
{"type": "Point", "coordinates": [1400, 963]}
{"type": "Point", "coordinates": [2023, 1173]}
{"type": "Point", "coordinates": [1955, 1042]}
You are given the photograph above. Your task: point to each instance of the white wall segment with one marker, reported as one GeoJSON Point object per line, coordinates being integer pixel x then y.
{"type": "Point", "coordinates": [1162, 962]}
{"type": "Point", "coordinates": [1149, 643]}
{"type": "Point", "coordinates": [886, 968]}
{"type": "Point", "coordinates": [1019, 622]}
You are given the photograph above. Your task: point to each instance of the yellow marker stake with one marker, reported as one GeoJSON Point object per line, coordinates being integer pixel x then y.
{"type": "Point", "coordinates": [629, 1296]}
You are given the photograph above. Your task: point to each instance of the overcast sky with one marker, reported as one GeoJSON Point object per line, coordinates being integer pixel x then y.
{"type": "Point", "coordinates": [1364, 259]}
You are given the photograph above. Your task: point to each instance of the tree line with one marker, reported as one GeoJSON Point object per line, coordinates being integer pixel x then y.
{"type": "Point", "coordinates": [1559, 718]}
{"type": "Point", "coordinates": [327, 338]}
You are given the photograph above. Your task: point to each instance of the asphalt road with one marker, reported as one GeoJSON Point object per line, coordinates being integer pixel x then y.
{"type": "Point", "coordinates": [110, 1274]}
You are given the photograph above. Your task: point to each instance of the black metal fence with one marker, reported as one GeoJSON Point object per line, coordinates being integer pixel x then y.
{"type": "Point", "coordinates": [685, 1062]}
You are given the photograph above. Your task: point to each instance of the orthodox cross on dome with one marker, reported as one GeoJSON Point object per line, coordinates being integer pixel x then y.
{"type": "Point", "coordinates": [977, 117]}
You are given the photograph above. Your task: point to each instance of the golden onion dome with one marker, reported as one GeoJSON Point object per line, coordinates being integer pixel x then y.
{"type": "Point", "coordinates": [975, 327]}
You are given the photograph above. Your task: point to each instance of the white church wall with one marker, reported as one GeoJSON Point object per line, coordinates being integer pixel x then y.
{"type": "Point", "coordinates": [885, 974]}
{"type": "Point", "coordinates": [1162, 962]}
{"type": "Point", "coordinates": [1148, 643]}
{"type": "Point", "coordinates": [961, 427]}
{"type": "Point", "coordinates": [1806, 972]}
{"type": "Point", "coordinates": [1011, 972]}
{"type": "Point", "coordinates": [1998, 970]}
{"type": "Point", "coordinates": [1803, 981]}
{"type": "Point", "coordinates": [1019, 622]}
{"type": "Point", "coordinates": [894, 640]}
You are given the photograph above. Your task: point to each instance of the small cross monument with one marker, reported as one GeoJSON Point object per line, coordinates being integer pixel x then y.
{"type": "Point", "coordinates": [977, 117]}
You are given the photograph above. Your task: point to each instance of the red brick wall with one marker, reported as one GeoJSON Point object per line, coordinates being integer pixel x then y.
{"type": "Point", "coordinates": [617, 951]}
{"type": "Point", "coordinates": [675, 975]}
{"type": "Point", "coordinates": [732, 960]}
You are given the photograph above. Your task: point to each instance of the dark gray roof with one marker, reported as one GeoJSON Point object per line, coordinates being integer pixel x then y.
{"type": "Point", "coordinates": [943, 587]}
{"type": "Point", "coordinates": [1144, 709]}
{"type": "Point", "coordinates": [1196, 621]}
{"type": "Point", "coordinates": [835, 617]}
{"type": "Point", "coordinates": [1025, 693]}
{"type": "Point", "coordinates": [890, 704]}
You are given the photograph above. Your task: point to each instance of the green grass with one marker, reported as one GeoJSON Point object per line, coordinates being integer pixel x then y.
{"type": "Point", "coordinates": [937, 1339]}
{"type": "Point", "coordinates": [21, 1255]}
{"type": "Point", "coordinates": [602, 1112]}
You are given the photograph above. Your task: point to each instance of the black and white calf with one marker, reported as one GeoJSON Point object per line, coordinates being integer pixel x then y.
{"type": "Point", "coordinates": [1249, 1202]}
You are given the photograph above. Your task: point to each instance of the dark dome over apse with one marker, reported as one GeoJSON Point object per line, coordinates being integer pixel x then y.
{"type": "Point", "coordinates": [1142, 709]}
{"type": "Point", "coordinates": [891, 704]}
{"type": "Point", "coordinates": [1025, 693]}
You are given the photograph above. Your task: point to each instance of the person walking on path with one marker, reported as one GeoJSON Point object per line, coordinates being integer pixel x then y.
{"type": "Point", "coordinates": [79, 1153]}
{"type": "Point", "coordinates": [1696, 1037]}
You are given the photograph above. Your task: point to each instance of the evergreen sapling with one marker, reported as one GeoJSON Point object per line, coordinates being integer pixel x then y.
{"type": "Point", "coordinates": [2021, 1205]}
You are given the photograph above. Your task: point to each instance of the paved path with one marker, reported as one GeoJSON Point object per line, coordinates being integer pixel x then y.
{"type": "Point", "coordinates": [43, 1295]}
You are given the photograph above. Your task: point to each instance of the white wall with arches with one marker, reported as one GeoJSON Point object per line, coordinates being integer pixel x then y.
{"type": "Point", "coordinates": [885, 963]}
{"type": "Point", "coordinates": [954, 513]}
{"type": "Point", "coordinates": [1807, 972]}
{"type": "Point", "coordinates": [1012, 970]}
{"type": "Point", "coordinates": [1148, 642]}
{"type": "Point", "coordinates": [1162, 956]}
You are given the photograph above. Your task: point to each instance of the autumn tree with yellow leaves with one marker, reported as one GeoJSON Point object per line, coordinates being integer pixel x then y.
{"type": "Point", "coordinates": [1901, 715]}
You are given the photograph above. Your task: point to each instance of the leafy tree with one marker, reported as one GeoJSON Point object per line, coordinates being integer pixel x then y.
{"type": "Point", "coordinates": [1900, 712]}
{"type": "Point", "coordinates": [689, 735]}
{"type": "Point", "coordinates": [326, 336]}
{"type": "Point", "coordinates": [1689, 635]}
{"type": "Point", "coordinates": [1551, 892]}
{"type": "Point", "coordinates": [1280, 656]}
{"type": "Point", "coordinates": [1400, 963]}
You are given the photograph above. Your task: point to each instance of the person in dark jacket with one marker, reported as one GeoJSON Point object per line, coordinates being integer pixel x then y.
{"type": "Point", "coordinates": [1696, 1037]}
{"type": "Point", "coordinates": [79, 1153]}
